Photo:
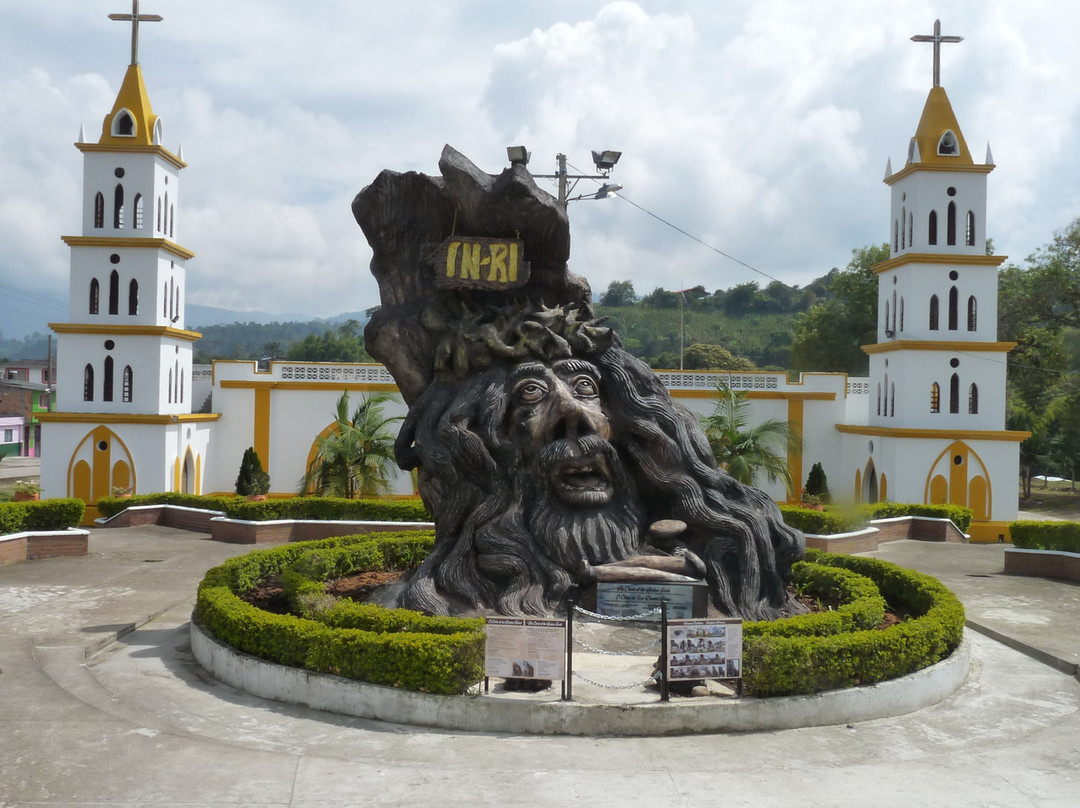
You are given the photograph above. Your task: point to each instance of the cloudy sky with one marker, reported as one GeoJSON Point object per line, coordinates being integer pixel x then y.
{"type": "Point", "coordinates": [760, 128]}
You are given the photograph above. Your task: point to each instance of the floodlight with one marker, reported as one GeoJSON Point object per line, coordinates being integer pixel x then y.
{"type": "Point", "coordinates": [518, 155]}
{"type": "Point", "coordinates": [605, 160]}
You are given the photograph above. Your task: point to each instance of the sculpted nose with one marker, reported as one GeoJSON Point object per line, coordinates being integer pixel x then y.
{"type": "Point", "coordinates": [573, 418]}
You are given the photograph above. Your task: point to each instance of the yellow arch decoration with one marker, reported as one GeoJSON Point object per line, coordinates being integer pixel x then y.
{"type": "Point", "coordinates": [101, 461]}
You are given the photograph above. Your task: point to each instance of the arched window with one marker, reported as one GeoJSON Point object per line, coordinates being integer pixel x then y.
{"type": "Point", "coordinates": [892, 399]}
{"type": "Point", "coordinates": [133, 297]}
{"type": "Point", "coordinates": [911, 229]}
{"type": "Point", "coordinates": [172, 220]}
{"type": "Point", "coordinates": [99, 210]}
{"type": "Point", "coordinates": [176, 381]}
{"type": "Point", "coordinates": [903, 227]}
{"type": "Point", "coordinates": [887, 330]}
{"type": "Point", "coordinates": [935, 398]}
{"type": "Point", "coordinates": [954, 309]}
{"type": "Point", "coordinates": [170, 385]}
{"type": "Point", "coordinates": [114, 292]}
{"type": "Point", "coordinates": [954, 393]}
{"type": "Point", "coordinates": [973, 399]}
{"type": "Point", "coordinates": [88, 383]}
{"type": "Point", "coordinates": [969, 235]}
{"type": "Point", "coordinates": [165, 300]}
{"type": "Point", "coordinates": [931, 228]}
{"type": "Point", "coordinates": [95, 295]}
{"type": "Point", "coordinates": [159, 214]}
{"type": "Point", "coordinates": [118, 207]}
{"type": "Point", "coordinates": [972, 313]}
{"type": "Point", "coordinates": [138, 211]}
{"type": "Point", "coordinates": [182, 375]}
{"type": "Point", "coordinates": [933, 313]}
{"type": "Point", "coordinates": [950, 225]}
{"type": "Point", "coordinates": [165, 229]}
{"type": "Point", "coordinates": [107, 382]}
{"type": "Point", "coordinates": [948, 144]}
{"type": "Point", "coordinates": [127, 383]}
{"type": "Point", "coordinates": [124, 124]}
{"type": "Point", "coordinates": [894, 310]}
{"type": "Point", "coordinates": [879, 399]}
{"type": "Point", "coordinates": [901, 314]}
{"type": "Point", "coordinates": [896, 236]}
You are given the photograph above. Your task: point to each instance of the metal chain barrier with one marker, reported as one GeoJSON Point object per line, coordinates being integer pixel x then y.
{"type": "Point", "coordinates": [629, 619]}
{"type": "Point", "coordinates": [643, 683]}
{"type": "Point", "coordinates": [635, 652]}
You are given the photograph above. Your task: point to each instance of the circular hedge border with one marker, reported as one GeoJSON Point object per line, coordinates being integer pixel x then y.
{"type": "Point", "coordinates": [401, 648]}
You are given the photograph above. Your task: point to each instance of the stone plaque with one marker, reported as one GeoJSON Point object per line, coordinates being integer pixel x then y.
{"type": "Point", "coordinates": [626, 598]}
{"type": "Point", "coordinates": [479, 263]}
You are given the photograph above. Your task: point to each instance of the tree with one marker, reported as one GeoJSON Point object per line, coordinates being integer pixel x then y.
{"type": "Point", "coordinates": [356, 457]}
{"type": "Point", "coordinates": [619, 293]}
{"type": "Point", "coordinates": [660, 298]}
{"type": "Point", "coordinates": [746, 452]}
{"type": "Point", "coordinates": [714, 357]}
{"type": "Point", "coordinates": [252, 479]}
{"type": "Point", "coordinates": [817, 485]}
{"type": "Point", "coordinates": [830, 336]}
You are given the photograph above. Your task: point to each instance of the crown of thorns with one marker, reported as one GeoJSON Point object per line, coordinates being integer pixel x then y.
{"type": "Point", "coordinates": [469, 340]}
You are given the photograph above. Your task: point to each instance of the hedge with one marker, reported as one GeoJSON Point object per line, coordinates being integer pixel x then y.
{"type": "Point", "coordinates": [776, 665]}
{"type": "Point", "coordinates": [1031, 535]}
{"type": "Point", "coordinates": [836, 520]}
{"type": "Point", "coordinates": [321, 508]}
{"type": "Point", "coordinates": [46, 514]}
{"type": "Point", "coordinates": [396, 647]}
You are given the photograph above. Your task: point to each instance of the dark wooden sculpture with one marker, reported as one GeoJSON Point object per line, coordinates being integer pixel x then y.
{"type": "Point", "coordinates": [549, 456]}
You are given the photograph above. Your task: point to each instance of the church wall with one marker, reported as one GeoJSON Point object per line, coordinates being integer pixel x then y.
{"type": "Point", "coordinates": [921, 192]}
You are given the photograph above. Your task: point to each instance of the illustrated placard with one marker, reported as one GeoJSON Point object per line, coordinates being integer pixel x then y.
{"type": "Point", "coordinates": [709, 648]}
{"type": "Point", "coordinates": [525, 648]}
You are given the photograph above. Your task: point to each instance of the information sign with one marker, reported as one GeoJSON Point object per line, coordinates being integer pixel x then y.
{"type": "Point", "coordinates": [709, 648]}
{"type": "Point", "coordinates": [525, 648]}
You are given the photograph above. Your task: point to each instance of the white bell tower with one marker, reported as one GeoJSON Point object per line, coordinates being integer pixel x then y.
{"type": "Point", "coordinates": [937, 372]}
{"type": "Point", "coordinates": [124, 356]}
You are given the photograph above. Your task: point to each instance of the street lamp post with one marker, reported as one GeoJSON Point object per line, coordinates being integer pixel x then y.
{"type": "Point", "coordinates": [603, 160]}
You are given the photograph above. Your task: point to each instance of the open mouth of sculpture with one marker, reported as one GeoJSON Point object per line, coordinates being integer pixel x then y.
{"type": "Point", "coordinates": [582, 481]}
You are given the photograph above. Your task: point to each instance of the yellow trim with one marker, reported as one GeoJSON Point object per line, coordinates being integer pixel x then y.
{"type": "Point", "coordinates": [106, 241]}
{"type": "Point", "coordinates": [939, 258]}
{"type": "Point", "coordinates": [988, 532]}
{"type": "Point", "coordinates": [761, 395]}
{"type": "Point", "coordinates": [262, 425]}
{"type": "Point", "coordinates": [158, 150]}
{"type": "Point", "coordinates": [938, 345]}
{"type": "Point", "coordinates": [949, 434]}
{"type": "Point", "coordinates": [122, 418]}
{"type": "Point", "coordinates": [337, 384]}
{"type": "Point", "coordinates": [126, 330]}
{"type": "Point", "coordinates": [912, 168]}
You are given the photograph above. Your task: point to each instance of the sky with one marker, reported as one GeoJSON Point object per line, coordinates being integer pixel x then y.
{"type": "Point", "coordinates": [754, 135]}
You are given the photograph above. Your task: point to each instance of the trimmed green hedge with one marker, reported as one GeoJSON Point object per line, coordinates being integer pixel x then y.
{"type": "Point", "coordinates": [1031, 535]}
{"type": "Point", "coordinates": [961, 517]}
{"type": "Point", "coordinates": [834, 520]}
{"type": "Point", "coordinates": [392, 647]}
{"type": "Point", "coordinates": [777, 665]}
{"type": "Point", "coordinates": [823, 523]}
{"type": "Point", "coordinates": [322, 508]}
{"type": "Point", "coordinates": [46, 514]}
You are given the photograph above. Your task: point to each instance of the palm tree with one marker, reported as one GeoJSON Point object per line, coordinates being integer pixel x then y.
{"type": "Point", "coordinates": [356, 457]}
{"type": "Point", "coordinates": [744, 451]}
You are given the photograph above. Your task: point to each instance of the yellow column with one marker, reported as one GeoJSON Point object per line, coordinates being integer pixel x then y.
{"type": "Point", "coordinates": [794, 462]}
{"type": "Point", "coordinates": [262, 425]}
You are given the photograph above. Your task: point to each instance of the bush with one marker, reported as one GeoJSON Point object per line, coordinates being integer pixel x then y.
{"type": "Point", "coordinates": [778, 665]}
{"type": "Point", "coordinates": [47, 514]}
{"type": "Point", "coordinates": [1060, 536]}
{"type": "Point", "coordinates": [823, 523]}
{"type": "Point", "coordinates": [392, 647]}
{"type": "Point", "coordinates": [960, 516]}
{"type": "Point", "coordinates": [252, 479]}
{"type": "Point", "coordinates": [817, 484]}
{"type": "Point", "coordinates": [321, 508]}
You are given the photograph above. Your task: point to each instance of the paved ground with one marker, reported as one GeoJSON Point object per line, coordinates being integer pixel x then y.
{"type": "Point", "coordinates": [88, 721]}
{"type": "Point", "coordinates": [20, 468]}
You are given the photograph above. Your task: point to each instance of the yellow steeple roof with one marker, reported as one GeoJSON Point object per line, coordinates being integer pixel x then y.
{"type": "Point", "coordinates": [938, 136]}
{"type": "Point", "coordinates": [132, 120]}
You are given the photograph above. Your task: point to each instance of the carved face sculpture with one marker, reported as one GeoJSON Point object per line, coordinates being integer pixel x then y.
{"type": "Point", "coordinates": [583, 509]}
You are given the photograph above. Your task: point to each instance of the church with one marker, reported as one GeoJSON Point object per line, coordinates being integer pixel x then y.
{"type": "Point", "coordinates": [134, 415]}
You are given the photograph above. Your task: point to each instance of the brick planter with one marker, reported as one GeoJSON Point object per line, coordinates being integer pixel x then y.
{"type": "Point", "coordinates": [16, 547]}
{"type": "Point", "coordinates": [1042, 563]}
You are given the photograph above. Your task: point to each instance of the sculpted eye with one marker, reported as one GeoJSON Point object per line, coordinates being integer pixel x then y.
{"type": "Point", "coordinates": [530, 391]}
{"type": "Point", "coordinates": [584, 387]}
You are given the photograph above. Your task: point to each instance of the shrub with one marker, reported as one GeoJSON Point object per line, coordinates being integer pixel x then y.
{"type": "Point", "coordinates": [817, 484]}
{"type": "Point", "coordinates": [827, 522]}
{"type": "Point", "coordinates": [1060, 536]}
{"type": "Point", "coordinates": [960, 516]}
{"type": "Point", "coordinates": [322, 508]}
{"type": "Point", "coordinates": [252, 479]}
{"type": "Point", "coordinates": [778, 665]}
{"type": "Point", "coordinates": [392, 647]}
{"type": "Point", "coordinates": [48, 514]}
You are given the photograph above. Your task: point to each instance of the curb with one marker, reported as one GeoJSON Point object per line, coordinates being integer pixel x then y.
{"type": "Point", "coordinates": [478, 713]}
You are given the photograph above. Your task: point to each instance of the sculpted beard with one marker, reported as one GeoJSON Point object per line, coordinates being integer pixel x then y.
{"type": "Point", "coordinates": [584, 505]}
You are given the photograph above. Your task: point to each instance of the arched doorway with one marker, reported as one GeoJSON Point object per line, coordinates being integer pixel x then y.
{"type": "Point", "coordinates": [869, 492]}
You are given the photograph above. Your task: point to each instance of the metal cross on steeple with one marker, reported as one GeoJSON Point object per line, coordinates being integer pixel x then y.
{"type": "Point", "coordinates": [135, 18]}
{"type": "Point", "coordinates": [937, 39]}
